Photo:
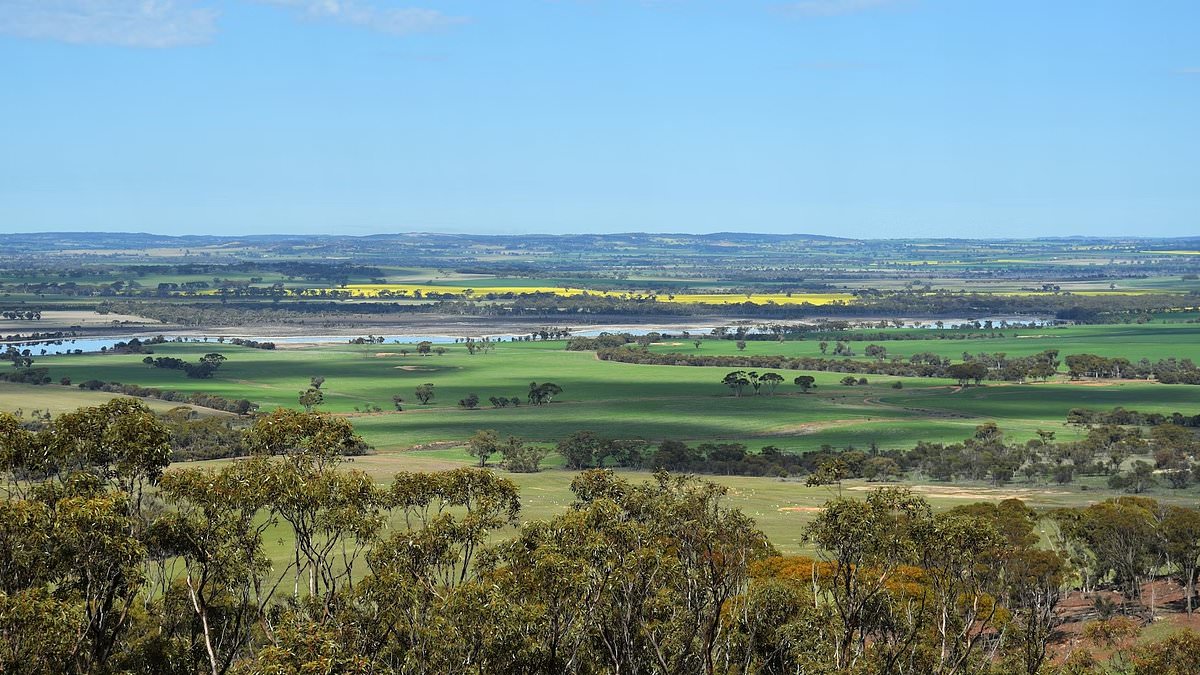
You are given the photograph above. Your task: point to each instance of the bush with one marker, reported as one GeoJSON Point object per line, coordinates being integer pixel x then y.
{"type": "Point", "coordinates": [1109, 632]}
{"type": "Point", "coordinates": [1179, 653]}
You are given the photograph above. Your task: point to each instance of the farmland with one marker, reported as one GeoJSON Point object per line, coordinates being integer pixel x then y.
{"type": "Point", "coordinates": [656, 403]}
{"type": "Point", "coordinates": [787, 374]}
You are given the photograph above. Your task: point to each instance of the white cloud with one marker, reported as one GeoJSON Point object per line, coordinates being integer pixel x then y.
{"type": "Point", "coordinates": [1189, 71]}
{"type": "Point", "coordinates": [391, 20]}
{"type": "Point", "coordinates": [126, 23]}
{"type": "Point", "coordinates": [177, 23]}
{"type": "Point", "coordinates": [834, 7]}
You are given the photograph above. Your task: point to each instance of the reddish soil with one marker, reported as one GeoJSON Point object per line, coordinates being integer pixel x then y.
{"type": "Point", "coordinates": [1162, 600]}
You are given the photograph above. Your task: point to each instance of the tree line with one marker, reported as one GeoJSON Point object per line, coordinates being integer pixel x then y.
{"type": "Point", "coordinates": [203, 369]}
{"type": "Point", "coordinates": [924, 364]}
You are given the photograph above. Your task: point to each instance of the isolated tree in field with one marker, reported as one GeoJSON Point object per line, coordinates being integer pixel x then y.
{"type": "Point", "coordinates": [471, 402]}
{"type": "Point", "coordinates": [311, 398]}
{"type": "Point", "coordinates": [697, 343]}
{"type": "Point", "coordinates": [805, 382]}
{"type": "Point", "coordinates": [741, 345]}
{"type": "Point", "coordinates": [544, 393]}
{"type": "Point", "coordinates": [424, 393]}
{"type": "Point", "coordinates": [398, 401]}
{"type": "Point", "coordinates": [849, 381]}
{"type": "Point", "coordinates": [316, 382]}
{"type": "Point", "coordinates": [877, 352]}
{"type": "Point", "coordinates": [424, 347]}
{"type": "Point", "coordinates": [483, 444]}
{"type": "Point", "coordinates": [823, 346]}
{"type": "Point", "coordinates": [737, 381]}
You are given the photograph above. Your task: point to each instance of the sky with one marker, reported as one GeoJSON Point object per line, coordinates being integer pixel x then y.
{"type": "Point", "coordinates": [866, 118]}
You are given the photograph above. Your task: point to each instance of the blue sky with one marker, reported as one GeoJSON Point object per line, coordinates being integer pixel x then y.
{"type": "Point", "coordinates": [882, 118]}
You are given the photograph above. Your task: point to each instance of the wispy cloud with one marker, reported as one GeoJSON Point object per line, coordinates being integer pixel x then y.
{"type": "Point", "coordinates": [819, 8]}
{"type": "Point", "coordinates": [833, 65]}
{"type": "Point", "coordinates": [126, 23]}
{"type": "Point", "coordinates": [391, 20]}
{"type": "Point", "coordinates": [179, 23]}
{"type": "Point", "coordinates": [1188, 71]}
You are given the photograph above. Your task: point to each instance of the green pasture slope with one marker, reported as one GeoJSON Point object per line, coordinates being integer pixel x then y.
{"type": "Point", "coordinates": [1154, 341]}
{"type": "Point", "coordinates": [657, 402]}
{"type": "Point", "coordinates": [27, 398]}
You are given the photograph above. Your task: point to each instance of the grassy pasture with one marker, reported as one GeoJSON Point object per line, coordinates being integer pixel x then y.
{"type": "Point", "coordinates": [780, 507]}
{"type": "Point", "coordinates": [657, 402]}
{"type": "Point", "coordinates": [1133, 341]}
{"type": "Point", "coordinates": [57, 399]}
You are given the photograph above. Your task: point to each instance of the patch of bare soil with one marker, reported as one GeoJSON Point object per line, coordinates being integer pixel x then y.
{"type": "Point", "coordinates": [436, 445]}
{"type": "Point", "coordinates": [418, 369]}
{"type": "Point", "coordinates": [386, 464]}
{"type": "Point", "coordinates": [805, 428]}
{"type": "Point", "coordinates": [1161, 601]}
{"type": "Point", "coordinates": [800, 509]}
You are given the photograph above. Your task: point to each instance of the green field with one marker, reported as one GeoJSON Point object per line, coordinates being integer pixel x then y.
{"type": "Point", "coordinates": [658, 402]}
{"type": "Point", "coordinates": [1133, 341]}
{"type": "Point", "coordinates": [55, 399]}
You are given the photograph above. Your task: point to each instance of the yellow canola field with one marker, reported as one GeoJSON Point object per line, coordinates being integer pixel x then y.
{"type": "Point", "coordinates": [411, 290]}
{"type": "Point", "coordinates": [759, 298]}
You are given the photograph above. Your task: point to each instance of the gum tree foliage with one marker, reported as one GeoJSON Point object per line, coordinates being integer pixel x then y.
{"type": "Point", "coordinates": [110, 564]}
{"type": "Point", "coordinates": [72, 543]}
{"type": "Point", "coordinates": [424, 393]}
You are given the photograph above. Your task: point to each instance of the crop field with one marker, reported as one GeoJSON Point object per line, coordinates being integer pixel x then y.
{"type": "Point", "coordinates": [483, 289]}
